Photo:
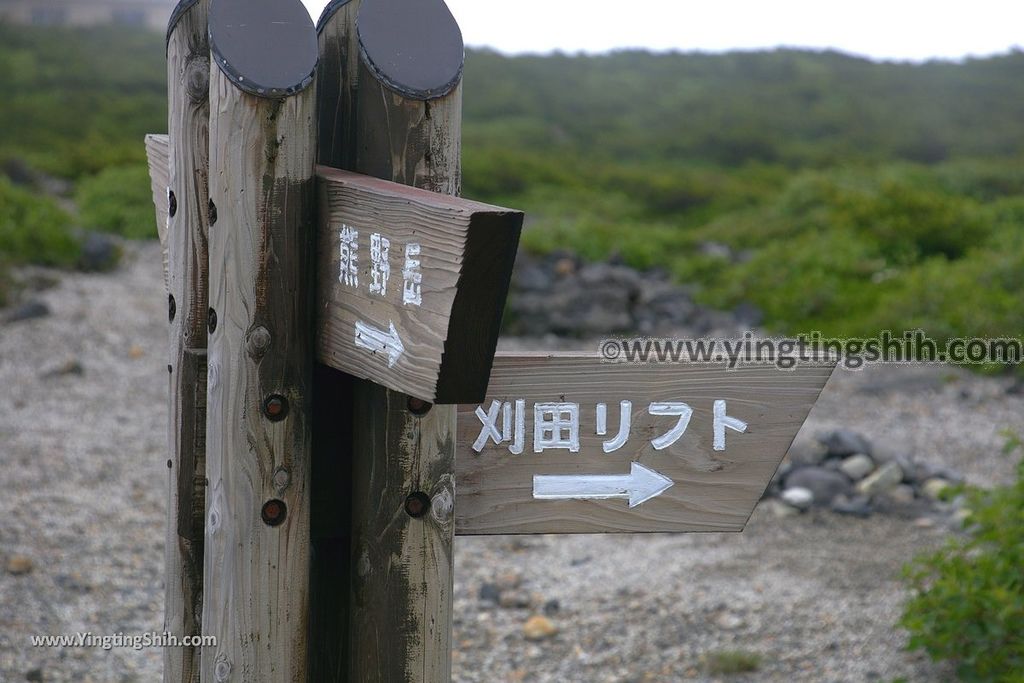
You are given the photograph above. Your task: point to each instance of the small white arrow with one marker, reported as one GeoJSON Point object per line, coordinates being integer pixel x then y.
{"type": "Point", "coordinates": [639, 486]}
{"type": "Point", "coordinates": [374, 340]}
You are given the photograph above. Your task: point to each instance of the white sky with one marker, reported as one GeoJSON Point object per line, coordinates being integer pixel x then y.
{"type": "Point", "coordinates": [890, 29]}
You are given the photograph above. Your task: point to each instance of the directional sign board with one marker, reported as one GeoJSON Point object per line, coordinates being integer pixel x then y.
{"type": "Point", "coordinates": [570, 444]}
{"type": "Point", "coordinates": [411, 285]}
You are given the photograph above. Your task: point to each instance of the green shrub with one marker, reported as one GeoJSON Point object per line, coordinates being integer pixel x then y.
{"type": "Point", "coordinates": [967, 602]}
{"type": "Point", "coordinates": [34, 229]}
{"type": "Point", "coordinates": [5, 285]}
{"type": "Point", "coordinates": [118, 200]}
{"type": "Point", "coordinates": [729, 662]}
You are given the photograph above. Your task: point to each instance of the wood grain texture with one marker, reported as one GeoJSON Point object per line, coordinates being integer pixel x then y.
{"type": "Point", "coordinates": [400, 606]}
{"type": "Point", "coordinates": [157, 151]}
{"type": "Point", "coordinates": [338, 84]}
{"type": "Point", "coordinates": [332, 485]}
{"type": "Point", "coordinates": [185, 236]}
{"type": "Point", "coordinates": [401, 598]}
{"type": "Point", "coordinates": [256, 581]}
{"type": "Point", "coordinates": [712, 491]}
{"type": "Point", "coordinates": [465, 250]}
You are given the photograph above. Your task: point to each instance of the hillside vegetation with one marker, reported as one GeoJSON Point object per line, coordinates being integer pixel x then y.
{"type": "Point", "coordinates": [834, 193]}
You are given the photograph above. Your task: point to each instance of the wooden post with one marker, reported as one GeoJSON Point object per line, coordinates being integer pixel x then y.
{"type": "Point", "coordinates": [262, 211]}
{"type": "Point", "coordinates": [186, 196]}
{"type": "Point", "coordinates": [397, 109]}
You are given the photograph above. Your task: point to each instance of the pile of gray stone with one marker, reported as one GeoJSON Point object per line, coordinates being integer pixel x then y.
{"type": "Point", "coordinates": [560, 294]}
{"type": "Point", "coordinates": [844, 472]}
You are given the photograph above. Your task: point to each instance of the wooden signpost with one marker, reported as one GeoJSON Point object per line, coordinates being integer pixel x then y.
{"type": "Point", "coordinates": [571, 444]}
{"type": "Point", "coordinates": [396, 100]}
{"type": "Point", "coordinates": [337, 410]}
{"type": "Point", "coordinates": [412, 285]}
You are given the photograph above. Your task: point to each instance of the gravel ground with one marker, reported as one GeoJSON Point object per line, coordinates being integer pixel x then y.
{"type": "Point", "coordinates": [82, 439]}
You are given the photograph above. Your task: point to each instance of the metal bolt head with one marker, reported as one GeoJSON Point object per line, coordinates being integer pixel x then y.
{"type": "Point", "coordinates": [419, 406]}
{"type": "Point", "coordinates": [274, 512]}
{"type": "Point", "coordinates": [417, 504]}
{"type": "Point", "coordinates": [275, 407]}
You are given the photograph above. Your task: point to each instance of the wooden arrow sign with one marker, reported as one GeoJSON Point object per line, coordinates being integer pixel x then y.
{"type": "Point", "coordinates": [411, 284]}
{"type": "Point", "coordinates": [571, 444]}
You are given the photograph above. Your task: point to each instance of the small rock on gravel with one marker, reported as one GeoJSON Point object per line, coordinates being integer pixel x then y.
{"type": "Point", "coordinates": [99, 252]}
{"type": "Point", "coordinates": [902, 494]}
{"type": "Point", "coordinates": [539, 627]}
{"type": "Point", "coordinates": [933, 488]}
{"type": "Point", "coordinates": [509, 580]}
{"type": "Point", "coordinates": [884, 478]}
{"type": "Point", "coordinates": [824, 484]}
{"type": "Point", "coordinates": [841, 443]}
{"type": "Point", "coordinates": [728, 621]}
{"type": "Point", "coordinates": [857, 466]}
{"type": "Point", "coordinates": [514, 599]}
{"type": "Point", "coordinates": [858, 506]}
{"type": "Point", "coordinates": [68, 366]}
{"type": "Point", "coordinates": [799, 497]}
{"type": "Point", "coordinates": [30, 310]}
{"type": "Point", "coordinates": [959, 518]}
{"type": "Point", "coordinates": [489, 592]}
{"type": "Point", "coordinates": [779, 509]}
{"type": "Point", "coordinates": [19, 564]}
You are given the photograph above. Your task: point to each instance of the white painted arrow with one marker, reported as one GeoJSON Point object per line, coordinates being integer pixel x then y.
{"type": "Point", "coordinates": [639, 486]}
{"type": "Point", "coordinates": [373, 339]}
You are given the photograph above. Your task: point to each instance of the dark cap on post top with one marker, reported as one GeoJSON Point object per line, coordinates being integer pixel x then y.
{"type": "Point", "coordinates": [268, 48]}
{"type": "Point", "coordinates": [413, 47]}
{"type": "Point", "coordinates": [176, 14]}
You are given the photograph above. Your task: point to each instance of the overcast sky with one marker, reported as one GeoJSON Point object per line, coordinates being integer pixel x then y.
{"type": "Point", "coordinates": [889, 29]}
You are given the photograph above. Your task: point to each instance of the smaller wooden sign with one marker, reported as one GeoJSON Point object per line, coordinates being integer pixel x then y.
{"type": "Point", "coordinates": [157, 151]}
{"type": "Point", "coordinates": [411, 285]}
{"type": "Point", "coordinates": [571, 444]}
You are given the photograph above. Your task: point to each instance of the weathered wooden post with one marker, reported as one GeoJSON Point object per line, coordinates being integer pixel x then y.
{"type": "Point", "coordinates": [410, 283]}
{"type": "Point", "coordinates": [394, 111]}
{"type": "Point", "coordinates": [262, 230]}
{"type": "Point", "coordinates": [186, 196]}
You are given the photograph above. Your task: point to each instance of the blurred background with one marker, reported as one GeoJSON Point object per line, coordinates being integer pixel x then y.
{"type": "Point", "coordinates": [888, 192]}
{"type": "Point", "coordinates": [686, 169]}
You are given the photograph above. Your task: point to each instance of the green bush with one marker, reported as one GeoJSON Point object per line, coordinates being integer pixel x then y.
{"type": "Point", "coordinates": [731, 662]}
{"type": "Point", "coordinates": [118, 200]}
{"type": "Point", "coordinates": [80, 100]}
{"type": "Point", "coordinates": [34, 229]}
{"type": "Point", "coordinates": [967, 601]}
{"type": "Point", "coordinates": [5, 284]}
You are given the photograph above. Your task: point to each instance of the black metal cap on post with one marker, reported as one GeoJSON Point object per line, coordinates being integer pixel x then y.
{"type": "Point", "coordinates": [413, 47]}
{"type": "Point", "coordinates": [176, 14]}
{"type": "Point", "coordinates": [325, 16]}
{"type": "Point", "coordinates": [267, 48]}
